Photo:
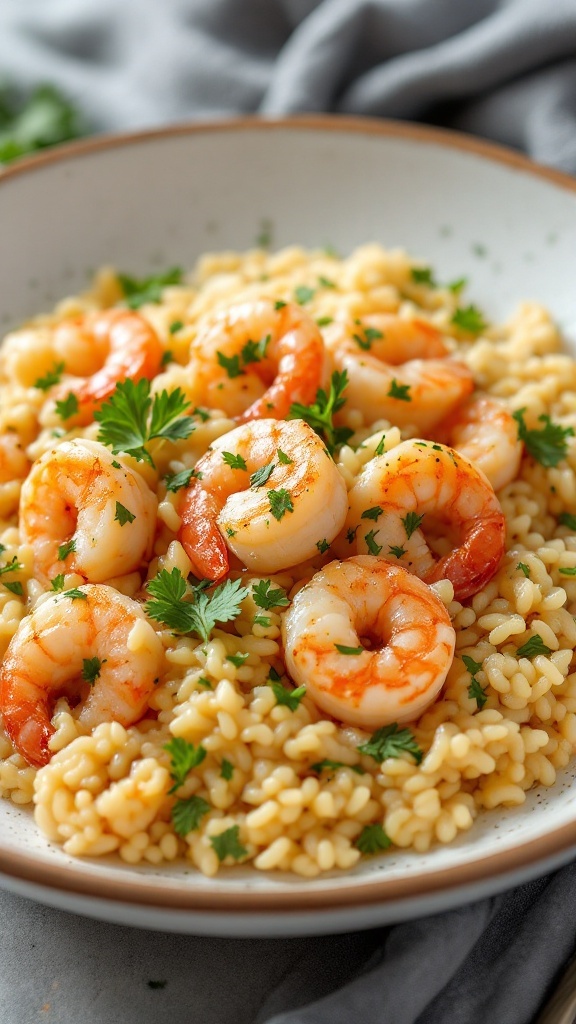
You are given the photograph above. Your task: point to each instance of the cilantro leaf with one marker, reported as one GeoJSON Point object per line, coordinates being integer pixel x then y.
{"type": "Point", "coordinates": [262, 475]}
{"type": "Point", "coordinates": [130, 418]}
{"type": "Point", "coordinates": [319, 415]}
{"type": "Point", "coordinates": [138, 291]}
{"type": "Point", "coordinates": [267, 597]}
{"type": "Point", "coordinates": [234, 461]}
{"type": "Point", "coordinates": [280, 502]}
{"type": "Point", "coordinates": [534, 646]}
{"type": "Point", "coordinates": [67, 407]}
{"type": "Point", "coordinates": [390, 741]}
{"type": "Point", "coordinates": [469, 319]}
{"type": "Point", "coordinates": [91, 669]}
{"type": "Point", "coordinates": [228, 844]}
{"type": "Point", "coordinates": [123, 515]}
{"type": "Point", "coordinates": [547, 446]}
{"type": "Point", "coordinates": [222, 605]}
{"type": "Point", "coordinates": [184, 757]}
{"type": "Point", "coordinates": [52, 377]}
{"type": "Point", "coordinates": [372, 839]}
{"type": "Point", "coordinates": [399, 391]}
{"type": "Point", "coordinates": [411, 522]}
{"type": "Point", "coordinates": [290, 698]}
{"type": "Point", "coordinates": [186, 814]}
{"type": "Point", "coordinates": [170, 588]}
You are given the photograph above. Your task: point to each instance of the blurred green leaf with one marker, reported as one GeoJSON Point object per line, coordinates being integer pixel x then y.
{"type": "Point", "coordinates": [44, 119]}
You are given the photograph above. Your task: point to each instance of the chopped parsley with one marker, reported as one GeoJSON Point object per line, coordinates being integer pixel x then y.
{"type": "Point", "coordinates": [67, 407]}
{"type": "Point", "coordinates": [15, 587]}
{"type": "Point", "coordinates": [186, 814]}
{"type": "Point", "coordinates": [51, 378]}
{"type": "Point", "coordinates": [342, 649]}
{"type": "Point", "coordinates": [255, 351]}
{"type": "Point", "coordinates": [423, 275]}
{"type": "Point", "coordinates": [57, 583]}
{"type": "Point", "coordinates": [325, 282]}
{"type": "Point", "coordinates": [44, 119]}
{"type": "Point", "coordinates": [566, 519]}
{"type": "Point", "coordinates": [75, 594]}
{"type": "Point", "coordinates": [66, 549]}
{"type": "Point", "coordinates": [226, 769]}
{"type": "Point", "coordinates": [202, 414]}
{"type": "Point", "coordinates": [568, 570]}
{"type": "Point", "coordinates": [234, 461]}
{"type": "Point", "coordinates": [304, 294]}
{"type": "Point", "coordinates": [131, 418]}
{"type": "Point", "coordinates": [371, 544]}
{"type": "Point", "coordinates": [123, 515]}
{"type": "Point", "coordinates": [411, 522]}
{"type": "Point", "coordinates": [280, 502]}
{"type": "Point", "coordinates": [176, 326]}
{"type": "Point", "coordinates": [166, 358]}
{"type": "Point", "coordinates": [475, 690]}
{"type": "Point", "coordinates": [524, 568]}
{"type": "Point", "coordinates": [169, 590]}
{"type": "Point", "coordinates": [283, 459]}
{"type": "Point", "coordinates": [379, 449]}
{"type": "Point", "coordinates": [228, 844]}
{"type": "Point", "coordinates": [372, 839]}
{"type": "Point", "coordinates": [261, 620]}
{"type": "Point", "coordinates": [184, 757]}
{"type": "Point", "coordinates": [390, 741]}
{"type": "Point", "coordinates": [175, 481]}
{"type": "Point", "coordinates": [323, 321]}
{"type": "Point", "coordinates": [372, 513]}
{"type": "Point", "coordinates": [533, 647]}
{"type": "Point", "coordinates": [328, 765]}
{"type": "Point", "coordinates": [290, 698]}
{"type": "Point", "coordinates": [319, 415]}
{"type": "Point", "coordinates": [457, 285]}
{"type": "Point", "coordinates": [322, 546]}
{"type": "Point", "coordinates": [12, 566]}
{"type": "Point", "coordinates": [267, 597]}
{"type": "Point", "coordinates": [351, 534]}
{"type": "Point", "coordinates": [262, 475]}
{"type": "Point", "coordinates": [547, 446]}
{"type": "Point", "coordinates": [204, 683]}
{"type": "Point", "coordinates": [138, 291]}
{"type": "Point", "coordinates": [397, 551]}
{"type": "Point", "coordinates": [231, 364]}
{"type": "Point", "coordinates": [279, 304]}
{"type": "Point", "coordinates": [399, 391]}
{"type": "Point", "coordinates": [365, 342]}
{"type": "Point", "coordinates": [237, 659]}
{"type": "Point", "coordinates": [469, 319]}
{"type": "Point", "coordinates": [91, 669]}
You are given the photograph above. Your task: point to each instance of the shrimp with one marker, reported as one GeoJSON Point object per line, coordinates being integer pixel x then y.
{"type": "Point", "coordinates": [255, 359]}
{"type": "Point", "coordinates": [421, 480]}
{"type": "Point", "coordinates": [83, 510]}
{"type": "Point", "coordinates": [122, 343]}
{"type": "Point", "coordinates": [46, 659]}
{"type": "Point", "coordinates": [485, 432]}
{"type": "Point", "coordinates": [281, 502]}
{"type": "Point", "coordinates": [405, 630]}
{"type": "Point", "coordinates": [405, 376]}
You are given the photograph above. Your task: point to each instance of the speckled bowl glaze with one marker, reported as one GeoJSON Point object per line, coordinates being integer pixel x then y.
{"type": "Point", "coordinates": [157, 199]}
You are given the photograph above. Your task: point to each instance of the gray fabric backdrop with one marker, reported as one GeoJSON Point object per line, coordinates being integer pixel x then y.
{"type": "Point", "coordinates": [505, 69]}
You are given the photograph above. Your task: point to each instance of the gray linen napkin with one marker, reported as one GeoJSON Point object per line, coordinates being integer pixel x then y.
{"type": "Point", "coordinates": [504, 69]}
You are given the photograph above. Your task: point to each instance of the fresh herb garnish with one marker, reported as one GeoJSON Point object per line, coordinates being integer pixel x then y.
{"type": "Point", "coordinates": [255, 351]}
{"type": "Point", "coordinates": [397, 551]}
{"type": "Point", "coordinates": [237, 659]}
{"type": "Point", "coordinates": [91, 669]}
{"type": "Point", "coordinates": [322, 545]}
{"type": "Point", "coordinates": [280, 502]}
{"type": "Point", "coordinates": [372, 839]}
{"type": "Point", "coordinates": [566, 519]}
{"type": "Point", "coordinates": [138, 291]}
{"type": "Point", "coordinates": [533, 647]}
{"type": "Point", "coordinates": [131, 418]}
{"type": "Point", "coordinates": [262, 475]}
{"type": "Point", "coordinates": [348, 650]}
{"type": "Point", "coordinates": [123, 515]}
{"type": "Point", "coordinates": [184, 757]}
{"type": "Point", "coordinates": [319, 415]}
{"type": "Point", "coordinates": [226, 769]}
{"type": "Point", "coordinates": [475, 690]}
{"type": "Point", "coordinates": [57, 582]}
{"type": "Point", "coordinates": [234, 461]}
{"type": "Point", "coordinates": [51, 378]}
{"type": "Point", "coordinates": [186, 814]}
{"type": "Point", "coordinates": [67, 407]}
{"type": "Point", "coordinates": [371, 544]}
{"type": "Point", "coordinates": [45, 119]}
{"type": "Point", "coordinates": [524, 568]}
{"type": "Point", "coordinates": [411, 522]}
{"type": "Point", "coordinates": [304, 294]}
{"type": "Point", "coordinates": [267, 597]}
{"type": "Point", "coordinates": [75, 594]}
{"type": "Point", "coordinates": [423, 275]}
{"type": "Point", "coordinates": [390, 741]}
{"type": "Point", "coordinates": [399, 391]}
{"type": "Point", "coordinates": [66, 549]}
{"type": "Point", "coordinates": [568, 570]}
{"type": "Point", "coordinates": [15, 587]}
{"type": "Point", "coordinates": [175, 481]}
{"type": "Point", "coordinates": [372, 513]}
{"type": "Point", "coordinates": [169, 590]}
{"type": "Point", "coordinates": [379, 449]}
{"type": "Point", "coordinates": [328, 765]}
{"type": "Point", "coordinates": [469, 319]}
{"type": "Point", "coordinates": [290, 698]}
{"type": "Point", "coordinates": [228, 844]}
{"type": "Point", "coordinates": [547, 446]}
{"type": "Point", "coordinates": [365, 342]}
{"type": "Point", "coordinates": [283, 459]}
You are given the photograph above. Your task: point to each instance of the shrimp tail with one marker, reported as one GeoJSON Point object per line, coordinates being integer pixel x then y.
{"type": "Point", "coordinates": [472, 566]}
{"type": "Point", "coordinates": [200, 536]}
{"type": "Point", "coordinates": [26, 722]}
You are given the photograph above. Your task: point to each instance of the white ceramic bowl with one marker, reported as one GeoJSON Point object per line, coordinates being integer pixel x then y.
{"type": "Point", "coordinates": [159, 199]}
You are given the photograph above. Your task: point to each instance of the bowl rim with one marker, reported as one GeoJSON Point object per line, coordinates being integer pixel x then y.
{"type": "Point", "coordinates": [180, 892]}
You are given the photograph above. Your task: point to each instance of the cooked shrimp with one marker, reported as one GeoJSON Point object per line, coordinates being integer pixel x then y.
{"type": "Point", "coordinates": [299, 504]}
{"type": "Point", "coordinates": [14, 463]}
{"type": "Point", "coordinates": [46, 659]}
{"type": "Point", "coordinates": [424, 481]}
{"type": "Point", "coordinates": [255, 359]}
{"type": "Point", "coordinates": [118, 344]}
{"type": "Point", "coordinates": [485, 432]}
{"type": "Point", "coordinates": [404, 628]}
{"type": "Point", "coordinates": [405, 376]}
{"type": "Point", "coordinates": [79, 497]}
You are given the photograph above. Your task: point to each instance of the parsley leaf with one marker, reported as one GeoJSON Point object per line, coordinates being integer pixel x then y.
{"type": "Point", "coordinates": [477, 693]}
{"type": "Point", "coordinates": [348, 650]}
{"type": "Point", "coordinates": [66, 549]}
{"type": "Point", "coordinates": [131, 418]}
{"type": "Point", "coordinates": [237, 659]}
{"type": "Point", "coordinates": [57, 583]}
{"type": "Point", "coordinates": [320, 766]}
{"type": "Point", "coordinates": [371, 544]}
{"type": "Point", "coordinates": [469, 319]}
{"type": "Point", "coordinates": [397, 551]}
{"type": "Point", "coordinates": [231, 364]}
{"type": "Point", "coordinates": [138, 291]}
{"type": "Point", "coordinates": [534, 646]}
{"type": "Point", "coordinates": [91, 669]}
{"type": "Point", "coordinates": [322, 545]}
{"type": "Point", "coordinates": [379, 449]}
{"type": "Point", "coordinates": [267, 597]}
{"type": "Point", "coordinates": [262, 475]}
{"type": "Point", "coordinates": [411, 522]}
{"type": "Point", "coordinates": [234, 461]}
{"type": "Point", "coordinates": [423, 275]}
{"type": "Point", "coordinates": [52, 377]}
{"type": "Point", "coordinates": [304, 294]}
{"type": "Point", "coordinates": [280, 502]}
{"type": "Point", "coordinates": [175, 481]}
{"type": "Point", "coordinates": [176, 326]}
{"type": "Point", "coordinates": [228, 844]}
{"type": "Point", "coordinates": [186, 815]}
{"type": "Point", "coordinates": [123, 515]}
{"type": "Point", "coordinates": [399, 391]}
{"type": "Point", "coordinates": [226, 769]}
{"type": "Point", "coordinates": [371, 334]}
{"type": "Point", "coordinates": [15, 587]}
{"type": "Point", "coordinates": [67, 407]}
{"type": "Point", "coordinates": [547, 446]}
{"type": "Point", "coordinates": [290, 698]}
{"type": "Point", "coordinates": [184, 757]}
{"type": "Point", "coordinates": [45, 119]}
{"type": "Point", "coordinates": [390, 741]}
{"type": "Point", "coordinates": [524, 568]}
{"type": "Point", "coordinates": [168, 590]}
{"type": "Point", "coordinates": [472, 666]}
{"type": "Point", "coordinates": [568, 570]}
{"type": "Point", "coordinates": [372, 839]}
{"type": "Point", "coordinates": [372, 513]}
{"type": "Point", "coordinates": [75, 594]}
{"type": "Point", "coordinates": [283, 458]}
{"type": "Point", "coordinates": [566, 519]}
{"type": "Point", "coordinates": [255, 351]}
{"type": "Point", "coordinates": [319, 415]}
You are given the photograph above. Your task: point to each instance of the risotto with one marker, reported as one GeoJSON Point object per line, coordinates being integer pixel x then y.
{"type": "Point", "coordinates": [202, 476]}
